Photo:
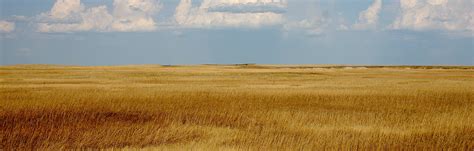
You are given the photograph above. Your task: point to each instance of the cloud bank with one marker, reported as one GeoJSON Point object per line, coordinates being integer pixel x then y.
{"type": "Point", "coordinates": [73, 16]}
{"type": "Point", "coordinates": [6, 27]}
{"type": "Point", "coordinates": [139, 15]}
{"type": "Point", "coordinates": [452, 15]}
{"type": "Point", "coordinates": [230, 13]}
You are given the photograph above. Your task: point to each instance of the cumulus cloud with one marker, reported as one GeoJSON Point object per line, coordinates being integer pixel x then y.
{"type": "Point", "coordinates": [92, 19]}
{"type": "Point", "coordinates": [452, 15]}
{"type": "Point", "coordinates": [368, 18]}
{"type": "Point", "coordinates": [230, 13]}
{"type": "Point", "coordinates": [73, 16]}
{"type": "Point", "coordinates": [135, 15]}
{"type": "Point", "coordinates": [64, 9]}
{"type": "Point", "coordinates": [6, 27]}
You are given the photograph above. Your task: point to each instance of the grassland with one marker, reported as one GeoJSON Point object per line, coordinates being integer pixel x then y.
{"type": "Point", "coordinates": [240, 107]}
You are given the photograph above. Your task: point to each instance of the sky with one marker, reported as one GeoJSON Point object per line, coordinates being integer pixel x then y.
{"type": "Point", "coordinates": [120, 32]}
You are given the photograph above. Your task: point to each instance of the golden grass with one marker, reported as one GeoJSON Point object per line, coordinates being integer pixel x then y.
{"type": "Point", "coordinates": [241, 107]}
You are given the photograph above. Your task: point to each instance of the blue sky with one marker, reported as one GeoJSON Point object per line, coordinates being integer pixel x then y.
{"type": "Point", "coordinates": [117, 32]}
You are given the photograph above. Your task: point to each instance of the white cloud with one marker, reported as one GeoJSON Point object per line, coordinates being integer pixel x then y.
{"type": "Point", "coordinates": [320, 24]}
{"type": "Point", "coordinates": [368, 18]}
{"type": "Point", "coordinates": [230, 13]}
{"type": "Point", "coordinates": [311, 27]}
{"type": "Point", "coordinates": [249, 6]}
{"type": "Point", "coordinates": [452, 15]}
{"type": "Point", "coordinates": [342, 27]}
{"type": "Point", "coordinates": [64, 9]}
{"type": "Point", "coordinates": [6, 27]}
{"type": "Point", "coordinates": [96, 18]}
{"type": "Point", "coordinates": [135, 15]}
{"type": "Point", "coordinates": [72, 16]}
{"type": "Point", "coordinates": [19, 18]}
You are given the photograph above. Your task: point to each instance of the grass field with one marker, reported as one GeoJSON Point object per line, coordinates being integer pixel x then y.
{"type": "Point", "coordinates": [236, 107]}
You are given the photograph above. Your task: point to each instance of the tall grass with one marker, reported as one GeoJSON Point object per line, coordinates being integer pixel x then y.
{"type": "Point", "coordinates": [236, 107]}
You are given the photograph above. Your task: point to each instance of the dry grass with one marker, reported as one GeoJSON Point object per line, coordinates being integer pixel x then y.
{"type": "Point", "coordinates": [243, 107]}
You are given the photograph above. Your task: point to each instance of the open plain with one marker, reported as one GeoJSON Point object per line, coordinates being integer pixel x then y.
{"type": "Point", "coordinates": [237, 107]}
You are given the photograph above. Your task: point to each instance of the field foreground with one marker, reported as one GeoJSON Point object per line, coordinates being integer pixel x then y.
{"type": "Point", "coordinates": [236, 107]}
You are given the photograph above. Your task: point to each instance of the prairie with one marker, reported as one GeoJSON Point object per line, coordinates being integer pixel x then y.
{"type": "Point", "coordinates": [237, 107]}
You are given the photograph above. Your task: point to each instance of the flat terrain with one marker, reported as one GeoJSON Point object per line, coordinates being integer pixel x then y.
{"type": "Point", "coordinates": [241, 107]}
